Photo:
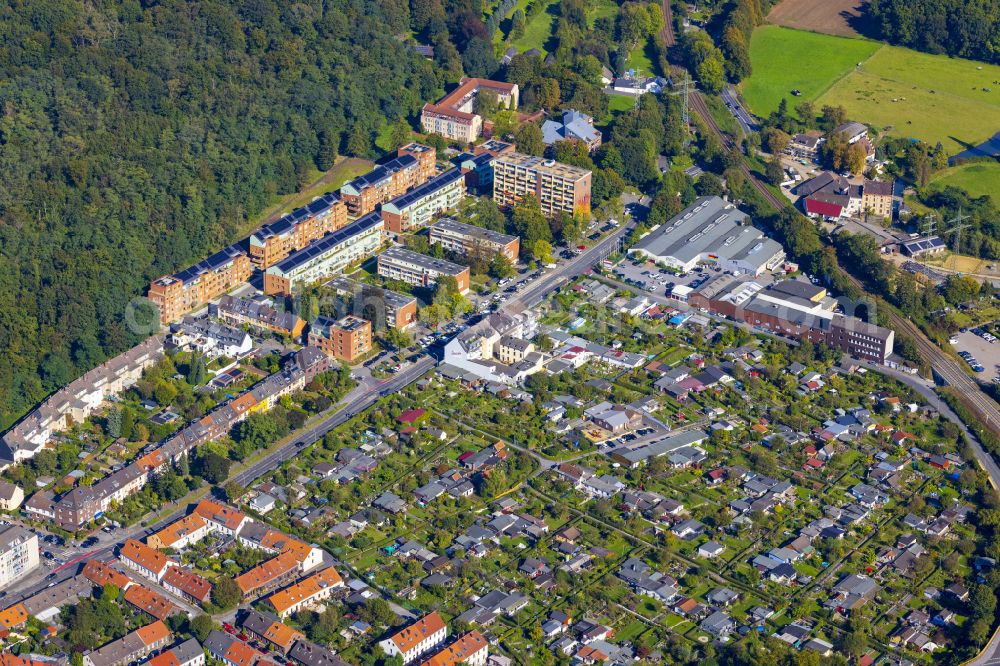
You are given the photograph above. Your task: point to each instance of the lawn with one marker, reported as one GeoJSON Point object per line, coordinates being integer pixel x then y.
{"type": "Point", "coordinates": [977, 178]}
{"type": "Point", "coordinates": [538, 29]}
{"type": "Point", "coordinates": [598, 9]}
{"type": "Point", "coordinates": [933, 98]}
{"type": "Point", "coordinates": [642, 58]}
{"type": "Point", "coordinates": [784, 59]}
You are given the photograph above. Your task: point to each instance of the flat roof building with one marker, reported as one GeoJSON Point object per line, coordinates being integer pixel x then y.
{"type": "Point", "coordinates": [327, 256]}
{"type": "Point", "coordinates": [420, 270]}
{"type": "Point", "coordinates": [796, 309]}
{"type": "Point", "coordinates": [558, 187]}
{"type": "Point", "coordinates": [379, 306]}
{"type": "Point", "coordinates": [711, 230]}
{"type": "Point", "coordinates": [346, 339]}
{"type": "Point", "coordinates": [18, 553]}
{"type": "Point", "coordinates": [469, 239]}
{"type": "Point", "coordinates": [413, 210]}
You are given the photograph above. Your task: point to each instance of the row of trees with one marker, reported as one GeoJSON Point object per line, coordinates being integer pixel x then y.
{"type": "Point", "coordinates": [955, 27]}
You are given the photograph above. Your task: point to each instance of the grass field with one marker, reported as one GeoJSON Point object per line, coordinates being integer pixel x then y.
{"type": "Point", "coordinates": [928, 97]}
{"type": "Point", "coordinates": [539, 28]}
{"type": "Point", "coordinates": [642, 58]}
{"type": "Point", "coordinates": [784, 59]}
{"type": "Point", "coordinates": [597, 9]}
{"type": "Point", "coordinates": [977, 179]}
{"type": "Point", "coordinates": [895, 90]}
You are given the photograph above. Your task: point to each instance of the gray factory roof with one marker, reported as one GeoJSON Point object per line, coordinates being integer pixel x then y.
{"type": "Point", "coordinates": [710, 226]}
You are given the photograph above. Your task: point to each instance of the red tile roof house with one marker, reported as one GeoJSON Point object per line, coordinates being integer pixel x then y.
{"type": "Point", "coordinates": [411, 416]}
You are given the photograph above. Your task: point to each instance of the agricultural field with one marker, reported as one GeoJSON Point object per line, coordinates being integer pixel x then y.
{"type": "Point", "coordinates": [832, 17]}
{"type": "Point", "coordinates": [895, 90]}
{"type": "Point", "coordinates": [977, 178]}
{"type": "Point", "coordinates": [780, 55]}
{"type": "Point", "coordinates": [929, 97]}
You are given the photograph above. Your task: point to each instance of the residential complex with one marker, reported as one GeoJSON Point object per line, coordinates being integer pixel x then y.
{"type": "Point", "coordinates": [326, 257]}
{"type": "Point", "coordinates": [76, 401]}
{"type": "Point", "coordinates": [18, 553]}
{"type": "Point", "coordinates": [469, 239]}
{"type": "Point", "coordinates": [558, 187]}
{"type": "Point", "coordinates": [346, 339]}
{"type": "Point", "coordinates": [379, 306]}
{"type": "Point", "coordinates": [194, 287]}
{"type": "Point", "coordinates": [413, 210]}
{"type": "Point", "coordinates": [258, 314]}
{"type": "Point", "coordinates": [307, 593]}
{"type": "Point", "coordinates": [454, 117]}
{"type": "Point", "coordinates": [83, 504]}
{"type": "Point", "coordinates": [417, 269]}
{"type": "Point", "coordinates": [413, 166]}
{"type": "Point", "coordinates": [418, 639]}
{"type": "Point", "coordinates": [478, 165]}
{"type": "Point", "coordinates": [794, 308]}
{"type": "Point", "coordinates": [275, 241]}
{"type": "Point", "coordinates": [714, 231]}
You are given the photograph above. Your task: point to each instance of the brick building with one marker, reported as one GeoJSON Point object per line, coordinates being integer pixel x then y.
{"type": "Point", "coordinates": [275, 241]}
{"type": "Point", "coordinates": [346, 339]}
{"type": "Point", "coordinates": [469, 239]}
{"type": "Point", "coordinates": [193, 287]}
{"type": "Point", "coordinates": [383, 183]}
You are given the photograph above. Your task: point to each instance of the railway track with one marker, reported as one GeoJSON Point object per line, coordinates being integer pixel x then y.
{"type": "Point", "coordinates": [667, 34]}
{"type": "Point", "coordinates": [947, 369]}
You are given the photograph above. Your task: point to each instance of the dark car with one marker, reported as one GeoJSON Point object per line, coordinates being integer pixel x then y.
{"type": "Point", "coordinates": [89, 541]}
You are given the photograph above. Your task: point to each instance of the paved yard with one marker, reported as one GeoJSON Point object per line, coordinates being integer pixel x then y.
{"type": "Point", "coordinates": [987, 354]}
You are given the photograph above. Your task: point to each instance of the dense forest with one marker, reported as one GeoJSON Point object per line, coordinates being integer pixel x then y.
{"type": "Point", "coordinates": [137, 137]}
{"type": "Point", "coordinates": [956, 27]}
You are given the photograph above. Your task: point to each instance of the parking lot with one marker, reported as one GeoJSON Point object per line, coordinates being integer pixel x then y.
{"type": "Point", "coordinates": [986, 353]}
{"type": "Point", "coordinates": [656, 280]}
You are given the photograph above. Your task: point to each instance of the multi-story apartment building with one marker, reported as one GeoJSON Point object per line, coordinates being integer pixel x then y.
{"type": "Point", "coordinates": [386, 181]}
{"type": "Point", "coordinates": [258, 315]}
{"type": "Point", "coordinates": [454, 116]}
{"type": "Point", "coordinates": [876, 198]}
{"type": "Point", "coordinates": [18, 553]}
{"type": "Point", "coordinates": [77, 400]}
{"type": "Point", "coordinates": [471, 240]}
{"type": "Point", "coordinates": [478, 165]}
{"type": "Point", "coordinates": [413, 210]}
{"type": "Point", "coordinates": [195, 286]}
{"type": "Point", "coordinates": [275, 241]}
{"type": "Point", "coordinates": [327, 256]}
{"type": "Point", "coordinates": [425, 155]}
{"type": "Point", "coordinates": [417, 269]}
{"type": "Point", "coordinates": [417, 639]}
{"type": "Point", "coordinates": [346, 339]}
{"type": "Point", "coordinates": [558, 187]}
{"type": "Point", "coordinates": [379, 306]}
